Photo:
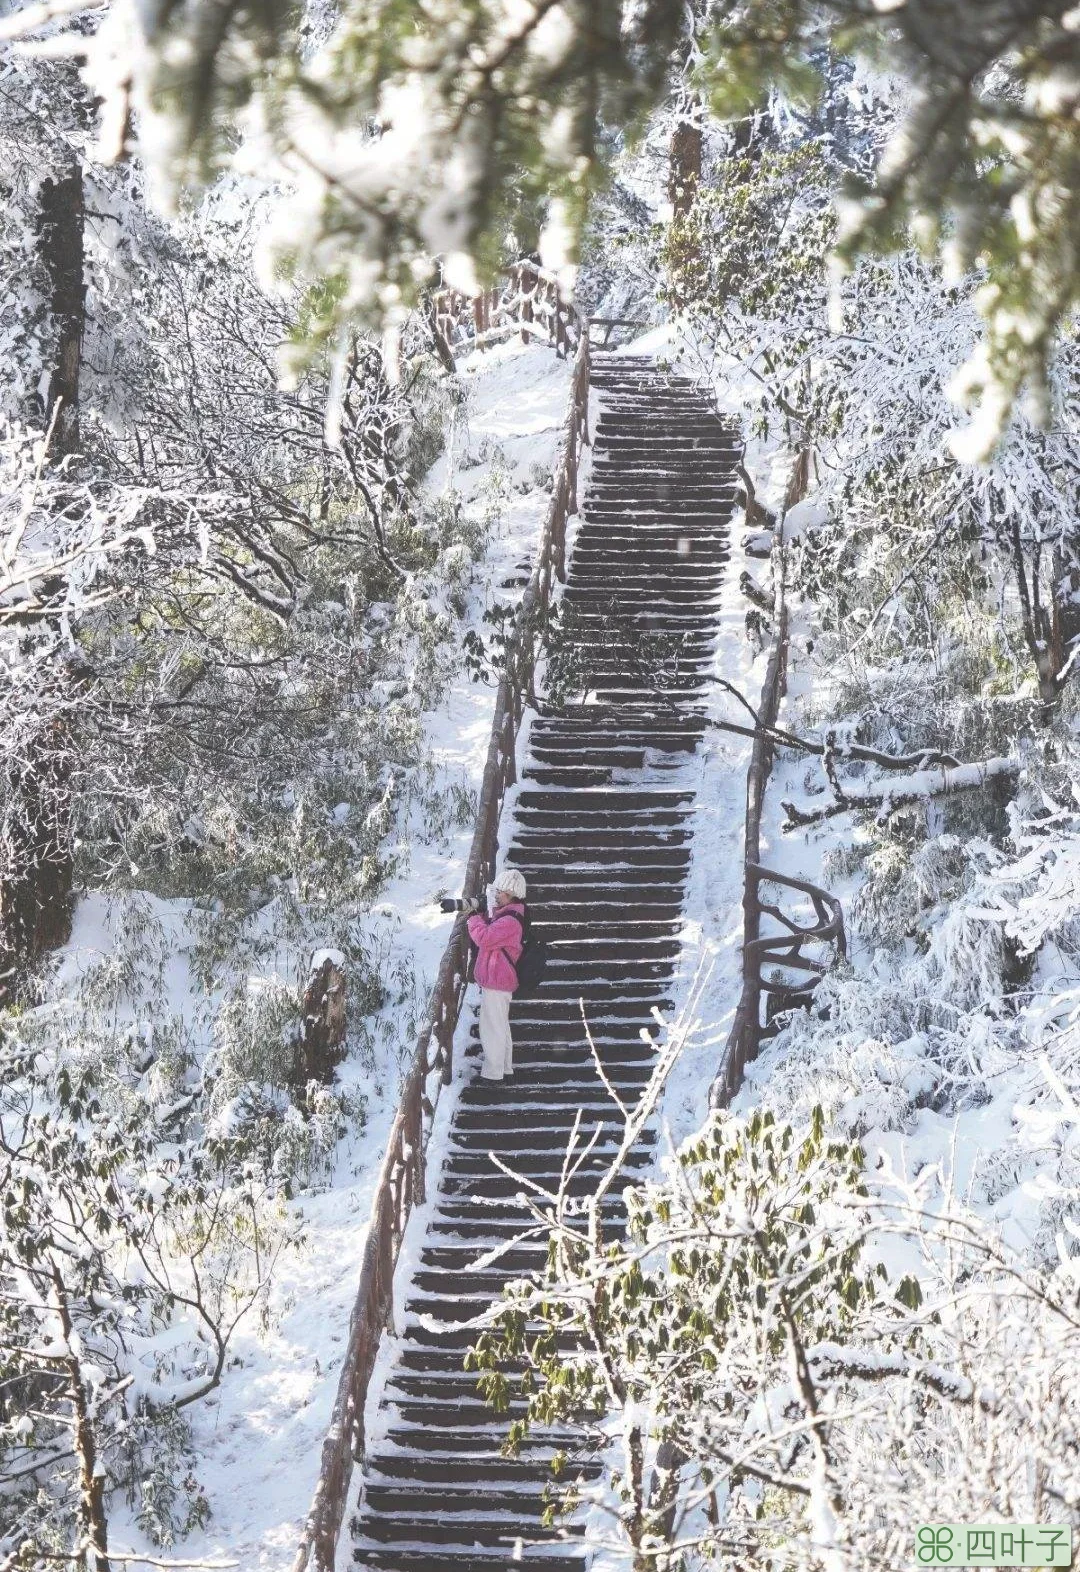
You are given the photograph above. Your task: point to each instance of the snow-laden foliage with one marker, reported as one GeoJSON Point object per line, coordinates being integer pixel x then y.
{"type": "Point", "coordinates": [405, 134]}
{"type": "Point", "coordinates": [910, 525]}
{"type": "Point", "coordinates": [129, 1255]}
{"type": "Point", "coordinates": [969, 997]}
{"type": "Point", "coordinates": [796, 1356]}
{"type": "Point", "coordinates": [226, 608]}
{"type": "Point", "coordinates": [43, 126]}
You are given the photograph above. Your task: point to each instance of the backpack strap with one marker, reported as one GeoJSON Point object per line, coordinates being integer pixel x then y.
{"type": "Point", "coordinates": [519, 918]}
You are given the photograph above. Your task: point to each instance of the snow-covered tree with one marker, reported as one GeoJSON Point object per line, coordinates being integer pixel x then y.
{"type": "Point", "coordinates": [126, 1264]}
{"type": "Point", "coordinates": [412, 132]}
{"type": "Point", "coordinates": [797, 1354]}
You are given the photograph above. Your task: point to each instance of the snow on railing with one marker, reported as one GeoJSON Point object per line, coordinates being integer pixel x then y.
{"type": "Point", "coordinates": [529, 302]}
{"type": "Point", "coordinates": [401, 1178]}
{"type": "Point", "coordinates": [607, 327]}
{"type": "Point", "coordinates": [786, 951]}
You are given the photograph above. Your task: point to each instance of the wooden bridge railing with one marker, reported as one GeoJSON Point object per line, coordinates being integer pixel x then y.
{"type": "Point", "coordinates": [788, 950]}
{"type": "Point", "coordinates": [529, 302]}
{"type": "Point", "coordinates": [401, 1178]}
{"type": "Point", "coordinates": [607, 327]}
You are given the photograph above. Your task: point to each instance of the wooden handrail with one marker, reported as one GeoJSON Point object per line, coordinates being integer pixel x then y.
{"type": "Point", "coordinates": [529, 302]}
{"type": "Point", "coordinates": [401, 1177]}
{"type": "Point", "coordinates": [786, 950]}
{"type": "Point", "coordinates": [747, 1028]}
{"type": "Point", "coordinates": [609, 324]}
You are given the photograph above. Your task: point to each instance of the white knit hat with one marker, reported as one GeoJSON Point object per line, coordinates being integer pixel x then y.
{"type": "Point", "coordinates": [511, 882]}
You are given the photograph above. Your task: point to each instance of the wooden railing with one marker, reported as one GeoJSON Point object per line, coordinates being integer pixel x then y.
{"type": "Point", "coordinates": [786, 951]}
{"type": "Point", "coordinates": [401, 1178]}
{"type": "Point", "coordinates": [602, 329]}
{"type": "Point", "coordinates": [748, 1028]}
{"type": "Point", "coordinates": [529, 302]}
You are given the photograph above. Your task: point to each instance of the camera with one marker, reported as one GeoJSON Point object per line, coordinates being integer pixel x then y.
{"type": "Point", "coordinates": [449, 904]}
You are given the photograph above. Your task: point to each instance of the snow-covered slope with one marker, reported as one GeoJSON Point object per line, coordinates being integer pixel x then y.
{"type": "Point", "coordinates": [258, 1437]}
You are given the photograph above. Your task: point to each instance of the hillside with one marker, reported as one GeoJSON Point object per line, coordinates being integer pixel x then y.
{"type": "Point", "coordinates": [764, 1252]}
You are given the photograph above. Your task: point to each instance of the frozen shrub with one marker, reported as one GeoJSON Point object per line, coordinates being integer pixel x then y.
{"type": "Point", "coordinates": [251, 1070]}
{"type": "Point", "coordinates": [163, 1487]}
{"type": "Point", "coordinates": [455, 572]}
{"type": "Point", "coordinates": [886, 907]}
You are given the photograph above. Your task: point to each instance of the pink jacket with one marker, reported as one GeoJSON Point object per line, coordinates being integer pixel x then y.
{"type": "Point", "coordinates": [498, 941]}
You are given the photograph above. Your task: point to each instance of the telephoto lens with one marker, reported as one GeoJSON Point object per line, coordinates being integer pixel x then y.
{"type": "Point", "coordinates": [449, 904]}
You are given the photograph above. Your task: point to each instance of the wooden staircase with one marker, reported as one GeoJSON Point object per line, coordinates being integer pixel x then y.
{"type": "Point", "coordinates": [602, 834]}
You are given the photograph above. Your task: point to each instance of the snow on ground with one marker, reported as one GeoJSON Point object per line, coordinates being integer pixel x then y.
{"type": "Point", "coordinates": [259, 1436]}
{"type": "Point", "coordinates": [977, 1102]}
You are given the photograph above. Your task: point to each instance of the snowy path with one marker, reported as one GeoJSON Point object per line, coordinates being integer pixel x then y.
{"type": "Point", "coordinates": [602, 832]}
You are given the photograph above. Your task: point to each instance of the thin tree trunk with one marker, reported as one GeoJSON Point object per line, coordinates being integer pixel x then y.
{"type": "Point", "coordinates": [1039, 628]}
{"type": "Point", "coordinates": [93, 1524]}
{"type": "Point", "coordinates": [438, 338]}
{"type": "Point", "coordinates": [1065, 601]}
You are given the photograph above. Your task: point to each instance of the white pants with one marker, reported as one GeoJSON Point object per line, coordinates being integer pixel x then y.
{"type": "Point", "coordinates": [495, 1034]}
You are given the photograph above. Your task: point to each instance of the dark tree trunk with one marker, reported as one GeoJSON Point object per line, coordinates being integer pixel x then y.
{"type": "Point", "coordinates": [37, 876]}
{"type": "Point", "coordinates": [93, 1523]}
{"type": "Point", "coordinates": [1066, 603]}
{"type": "Point", "coordinates": [438, 338]}
{"type": "Point", "coordinates": [61, 225]}
{"type": "Point", "coordinates": [746, 135]}
{"type": "Point", "coordinates": [323, 1034]}
{"type": "Point", "coordinates": [1049, 622]}
{"type": "Point", "coordinates": [36, 890]}
{"type": "Point", "coordinates": [684, 166]}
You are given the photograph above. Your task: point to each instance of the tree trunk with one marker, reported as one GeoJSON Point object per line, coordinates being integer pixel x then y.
{"type": "Point", "coordinates": [664, 1495]}
{"type": "Point", "coordinates": [1065, 600]}
{"type": "Point", "coordinates": [37, 877]}
{"type": "Point", "coordinates": [324, 1024]}
{"type": "Point", "coordinates": [684, 166]}
{"type": "Point", "coordinates": [438, 338]}
{"type": "Point", "coordinates": [93, 1523]}
{"type": "Point", "coordinates": [61, 228]}
{"type": "Point", "coordinates": [36, 889]}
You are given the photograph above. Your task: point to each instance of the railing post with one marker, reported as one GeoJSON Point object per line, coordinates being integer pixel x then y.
{"type": "Point", "coordinates": [745, 1037]}
{"type": "Point", "coordinates": [526, 301]}
{"type": "Point", "coordinates": [509, 749]}
{"type": "Point", "coordinates": [447, 1046]}
{"type": "Point", "coordinates": [418, 1186]}
{"type": "Point", "coordinates": [586, 373]}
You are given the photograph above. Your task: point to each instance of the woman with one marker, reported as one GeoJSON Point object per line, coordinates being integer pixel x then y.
{"type": "Point", "coordinates": [498, 939]}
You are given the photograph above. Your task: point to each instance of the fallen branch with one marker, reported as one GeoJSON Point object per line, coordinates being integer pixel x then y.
{"type": "Point", "coordinates": [832, 746]}
{"type": "Point", "coordinates": [914, 788]}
